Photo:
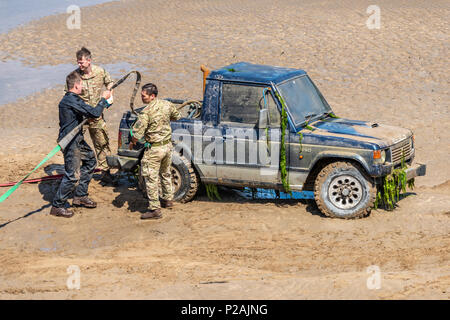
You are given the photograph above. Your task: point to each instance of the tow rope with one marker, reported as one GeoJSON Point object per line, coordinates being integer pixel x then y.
{"type": "Point", "coordinates": [46, 178]}
{"type": "Point", "coordinates": [136, 87]}
{"type": "Point", "coordinates": [68, 138]}
{"type": "Point", "coordinates": [11, 190]}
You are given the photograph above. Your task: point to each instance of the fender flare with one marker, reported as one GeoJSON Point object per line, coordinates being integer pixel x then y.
{"type": "Point", "coordinates": [341, 155]}
{"type": "Point", "coordinates": [185, 150]}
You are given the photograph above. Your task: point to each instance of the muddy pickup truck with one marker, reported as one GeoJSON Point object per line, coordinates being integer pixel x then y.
{"type": "Point", "coordinates": [235, 137]}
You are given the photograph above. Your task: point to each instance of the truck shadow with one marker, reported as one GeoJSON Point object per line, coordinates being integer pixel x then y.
{"type": "Point", "coordinates": [129, 194]}
{"type": "Point", "coordinates": [132, 197]}
{"type": "Point", "coordinates": [230, 195]}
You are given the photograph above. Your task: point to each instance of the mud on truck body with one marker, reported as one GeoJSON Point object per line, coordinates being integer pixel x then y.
{"type": "Point", "coordinates": [234, 140]}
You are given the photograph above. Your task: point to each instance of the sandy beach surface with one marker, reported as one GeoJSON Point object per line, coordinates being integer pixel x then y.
{"type": "Point", "coordinates": [234, 248]}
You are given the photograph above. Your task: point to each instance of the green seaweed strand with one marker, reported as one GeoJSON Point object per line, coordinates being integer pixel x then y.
{"type": "Point", "coordinates": [284, 122]}
{"type": "Point", "coordinates": [332, 115]}
{"type": "Point", "coordinates": [212, 192]}
{"type": "Point", "coordinates": [307, 126]}
{"type": "Point", "coordinates": [135, 174]}
{"type": "Point", "coordinates": [393, 185]}
{"type": "Point", "coordinates": [300, 139]}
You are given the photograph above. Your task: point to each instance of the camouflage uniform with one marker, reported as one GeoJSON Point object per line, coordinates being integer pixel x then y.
{"type": "Point", "coordinates": [153, 124]}
{"type": "Point", "coordinates": [91, 94]}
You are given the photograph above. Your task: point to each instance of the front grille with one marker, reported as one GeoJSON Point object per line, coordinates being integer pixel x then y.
{"type": "Point", "coordinates": [401, 149]}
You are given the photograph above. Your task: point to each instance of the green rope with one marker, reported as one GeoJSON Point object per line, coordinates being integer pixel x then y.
{"type": "Point", "coordinates": [13, 188]}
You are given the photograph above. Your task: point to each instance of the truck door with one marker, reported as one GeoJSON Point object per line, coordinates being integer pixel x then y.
{"type": "Point", "coordinates": [249, 154]}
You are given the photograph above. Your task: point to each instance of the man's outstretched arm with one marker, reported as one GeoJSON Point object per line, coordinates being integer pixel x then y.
{"type": "Point", "coordinates": [95, 112]}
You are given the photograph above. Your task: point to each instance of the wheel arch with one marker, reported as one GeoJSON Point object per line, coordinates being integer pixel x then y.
{"type": "Point", "coordinates": [184, 150]}
{"type": "Point", "coordinates": [324, 158]}
{"type": "Point", "coordinates": [181, 161]}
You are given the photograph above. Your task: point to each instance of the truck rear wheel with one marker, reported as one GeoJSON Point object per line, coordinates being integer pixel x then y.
{"type": "Point", "coordinates": [185, 181]}
{"type": "Point", "coordinates": [184, 178]}
{"type": "Point", "coordinates": [342, 190]}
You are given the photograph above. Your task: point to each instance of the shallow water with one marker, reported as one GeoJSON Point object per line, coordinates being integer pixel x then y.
{"type": "Point", "coordinates": [18, 80]}
{"type": "Point", "coordinates": [19, 12]}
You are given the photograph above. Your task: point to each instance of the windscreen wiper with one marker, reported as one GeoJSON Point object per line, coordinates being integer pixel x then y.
{"type": "Point", "coordinates": [309, 116]}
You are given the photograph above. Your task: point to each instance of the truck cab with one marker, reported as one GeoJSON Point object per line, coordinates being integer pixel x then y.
{"type": "Point", "coordinates": [270, 127]}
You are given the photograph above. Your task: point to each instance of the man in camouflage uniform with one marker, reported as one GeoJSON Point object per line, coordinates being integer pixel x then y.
{"type": "Point", "coordinates": [153, 124]}
{"type": "Point", "coordinates": [94, 78]}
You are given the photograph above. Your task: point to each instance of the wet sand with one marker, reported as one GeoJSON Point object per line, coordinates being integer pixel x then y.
{"type": "Point", "coordinates": [263, 249]}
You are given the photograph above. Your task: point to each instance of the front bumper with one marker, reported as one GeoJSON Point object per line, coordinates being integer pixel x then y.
{"type": "Point", "coordinates": [416, 170]}
{"type": "Point", "coordinates": [413, 170]}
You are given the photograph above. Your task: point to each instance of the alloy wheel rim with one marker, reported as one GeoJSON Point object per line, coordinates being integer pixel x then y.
{"type": "Point", "coordinates": [345, 192]}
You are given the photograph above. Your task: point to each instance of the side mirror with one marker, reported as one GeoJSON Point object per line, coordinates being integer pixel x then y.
{"type": "Point", "coordinates": [263, 118]}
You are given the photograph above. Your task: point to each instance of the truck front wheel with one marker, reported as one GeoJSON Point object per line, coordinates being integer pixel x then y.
{"type": "Point", "coordinates": [342, 190]}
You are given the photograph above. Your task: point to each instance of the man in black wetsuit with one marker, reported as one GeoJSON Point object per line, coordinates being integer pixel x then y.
{"type": "Point", "coordinates": [79, 159]}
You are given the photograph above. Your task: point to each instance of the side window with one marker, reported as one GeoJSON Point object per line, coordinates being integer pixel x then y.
{"type": "Point", "coordinates": [274, 114]}
{"type": "Point", "coordinates": [241, 103]}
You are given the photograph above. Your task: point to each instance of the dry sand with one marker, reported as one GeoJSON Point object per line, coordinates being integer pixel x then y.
{"type": "Point", "coordinates": [235, 248]}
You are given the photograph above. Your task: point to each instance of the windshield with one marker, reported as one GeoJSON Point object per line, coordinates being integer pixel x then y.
{"type": "Point", "coordinates": [303, 99]}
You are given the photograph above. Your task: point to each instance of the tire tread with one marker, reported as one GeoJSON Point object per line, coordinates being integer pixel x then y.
{"type": "Point", "coordinates": [321, 177]}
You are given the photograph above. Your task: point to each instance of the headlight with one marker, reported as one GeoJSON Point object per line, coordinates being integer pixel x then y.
{"type": "Point", "coordinates": [379, 156]}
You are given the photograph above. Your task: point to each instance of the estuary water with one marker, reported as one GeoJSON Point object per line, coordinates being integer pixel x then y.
{"type": "Point", "coordinates": [14, 13]}
{"type": "Point", "coordinates": [18, 80]}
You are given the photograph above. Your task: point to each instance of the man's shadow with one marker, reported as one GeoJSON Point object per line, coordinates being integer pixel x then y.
{"type": "Point", "coordinates": [46, 188]}
{"type": "Point", "coordinates": [129, 194]}
{"type": "Point", "coordinates": [53, 169]}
